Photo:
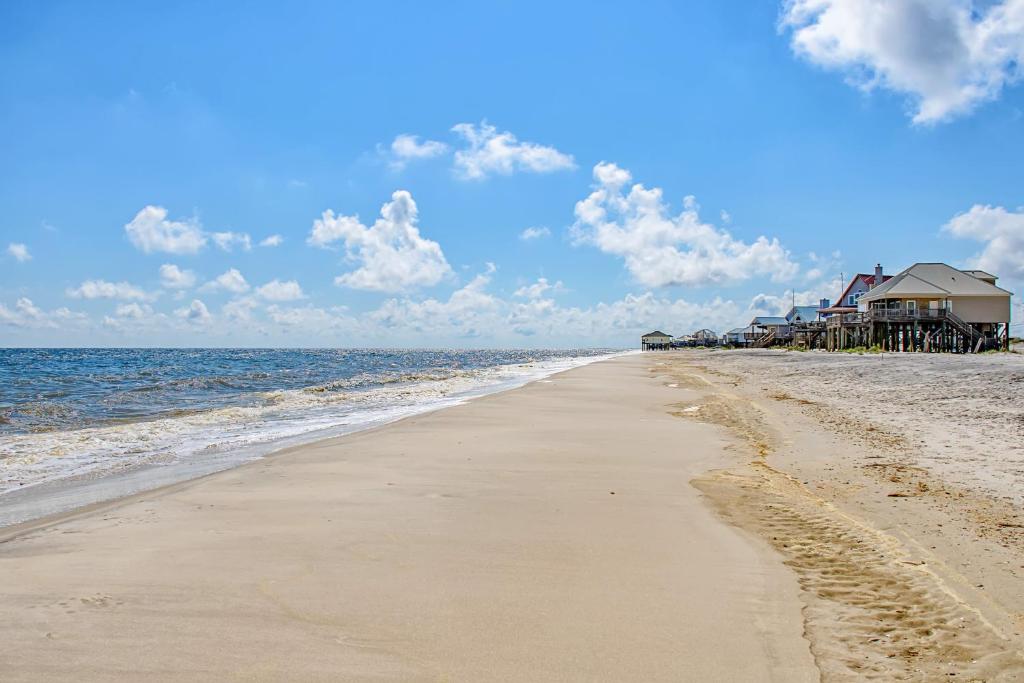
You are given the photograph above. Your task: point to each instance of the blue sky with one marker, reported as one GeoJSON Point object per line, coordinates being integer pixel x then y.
{"type": "Point", "coordinates": [838, 140]}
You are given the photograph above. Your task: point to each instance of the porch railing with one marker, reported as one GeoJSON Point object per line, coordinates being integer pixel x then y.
{"type": "Point", "coordinates": [900, 314]}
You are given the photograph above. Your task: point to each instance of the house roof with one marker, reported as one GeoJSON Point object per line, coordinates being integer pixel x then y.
{"type": "Point", "coordinates": [656, 333]}
{"type": "Point", "coordinates": [869, 280]}
{"type": "Point", "coordinates": [768, 320]}
{"type": "Point", "coordinates": [933, 279]}
{"type": "Point", "coordinates": [981, 274]}
{"type": "Point", "coordinates": [737, 330]}
{"type": "Point", "coordinates": [805, 312]}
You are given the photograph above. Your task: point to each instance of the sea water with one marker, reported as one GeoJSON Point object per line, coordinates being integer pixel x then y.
{"type": "Point", "coordinates": [147, 417]}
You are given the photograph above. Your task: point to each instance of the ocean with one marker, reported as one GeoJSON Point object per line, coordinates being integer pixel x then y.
{"type": "Point", "coordinates": [85, 414]}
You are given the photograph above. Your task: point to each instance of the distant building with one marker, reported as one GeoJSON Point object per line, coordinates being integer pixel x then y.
{"type": "Point", "coordinates": [655, 341]}
{"type": "Point", "coordinates": [736, 336]}
{"type": "Point", "coordinates": [802, 314]}
{"type": "Point", "coordinates": [859, 285]}
{"type": "Point", "coordinates": [765, 329]}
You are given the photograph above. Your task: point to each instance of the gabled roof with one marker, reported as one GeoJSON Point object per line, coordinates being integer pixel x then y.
{"type": "Point", "coordinates": [767, 320]}
{"type": "Point", "coordinates": [656, 333]}
{"type": "Point", "coordinates": [805, 313]}
{"type": "Point", "coordinates": [869, 280]}
{"type": "Point", "coordinates": [737, 330]}
{"type": "Point", "coordinates": [933, 279]}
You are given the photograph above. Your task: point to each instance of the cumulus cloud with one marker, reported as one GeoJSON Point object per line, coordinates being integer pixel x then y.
{"type": "Point", "coordinates": [534, 233]}
{"type": "Point", "coordinates": [660, 249]}
{"type": "Point", "coordinates": [392, 253]}
{"type": "Point", "coordinates": [306, 317]}
{"type": "Point", "coordinates": [150, 231]}
{"type": "Point", "coordinates": [173, 277]}
{"type": "Point", "coordinates": [947, 56]}
{"type": "Point", "coordinates": [101, 289]}
{"type": "Point", "coordinates": [1001, 231]}
{"type": "Point", "coordinates": [272, 241]}
{"type": "Point", "coordinates": [538, 289]}
{"type": "Point", "coordinates": [239, 310]}
{"type": "Point", "coordinates": [490, 152]}
{"type": "Point", "coordinates": [196, 313]}
{"type": "Point", "coordinates": [27, 315]}
{"type": "Point", "coordinates": [230, 280]}
{"type": "Point", "coordinates": [19, 251]}
{"type": "Point", "coordinates": [133, 311]}
{"type": "Point", "coordinates": [406, 148]}
{"type": "Point", "coordinates": [229, 240]}
{"type": "Point", "coordinates": [459, 314]}
{"type": "Point", "coordinates": [276, 290]}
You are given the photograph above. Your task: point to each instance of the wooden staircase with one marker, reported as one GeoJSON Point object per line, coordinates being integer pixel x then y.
{"type": "Point", "coordinates": [765, 339]}
{"type": "Point", "coordinates": [973, 336]}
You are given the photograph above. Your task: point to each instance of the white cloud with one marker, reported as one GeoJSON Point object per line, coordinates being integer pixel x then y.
{"type": "Point", "coordinates": [822, 266]}
{"type": "Point", "coordinates": [406, 148]}
{"type": "Point", "coordinates": [25, 307]}
{"type": "Point", "coordinates": [459, 315]}
{"type": "Point", "coordinates": [173, 277]}
{"type": "Point", "coordinates": [276, 290]}
{"type": "Point", "coordinates": [19, 252]}
{"type": "Point", "coordinates": [230, 280]}
{"type": "Point", "coordinates": [26, 314]}
{"type": "Point", "coordinates": [538, 289]}
{"type": "Point", "coordinates": [239, 310]}
{"type": "Point", "coordinates": [228, 240]}
{"type": "Point", "coordinates": [393, 254]}
{"type": "Point", "coordinates": [150, 231]}
{"type": "Point", "coordinates": [534, 233]}
{"type": "Point", "coordinates": [946, 55]}
{"type": "Point", "coordinates": [490, 152]}
{"type": "Point", "coordinates": [196, 312]}
{"type": "Point", "coordinates": [306, 317]}
{"type": "Point", "coordinates": [272, 241]}
{"type": "Point", "coordinates": [660, 249]}
{"type": "Point", "coordinates": [101, 289]}
{"type": "Point", "coordinates": [1002, 232]}
{"type": "Point", "coordinates": [133, 311]}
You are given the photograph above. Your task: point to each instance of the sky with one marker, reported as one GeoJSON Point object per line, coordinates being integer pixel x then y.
{"type": "Point", "coordinates": [515, 174]}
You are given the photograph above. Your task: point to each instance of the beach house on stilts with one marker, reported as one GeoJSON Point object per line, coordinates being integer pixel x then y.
{"type": "Point", "coordinates": [927, 307]}
{"type": "Point", "coordinates": [656, 341]}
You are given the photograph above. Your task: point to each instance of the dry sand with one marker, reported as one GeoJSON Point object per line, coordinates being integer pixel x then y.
{"type": "Point", "coordinates": [546, 533]}
{"type": "Point", "coordinates": [891, 486]}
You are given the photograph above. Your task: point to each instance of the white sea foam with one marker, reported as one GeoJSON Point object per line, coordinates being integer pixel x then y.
{"type": "Point", "coordinates": [230, 436]}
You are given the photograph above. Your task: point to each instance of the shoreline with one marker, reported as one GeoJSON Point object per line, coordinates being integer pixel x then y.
{"type": "Point", "coordinates": [50, 498]}
{"type": "Point", "coordinates": [546, 532]}
{"type": "Point", "coordinates": [655, 516]}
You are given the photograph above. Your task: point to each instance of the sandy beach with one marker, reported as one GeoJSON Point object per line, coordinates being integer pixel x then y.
{"type": "Point", "coordinates": [665, 516]}
{"type": "Point", "coordinates": [546, 533]}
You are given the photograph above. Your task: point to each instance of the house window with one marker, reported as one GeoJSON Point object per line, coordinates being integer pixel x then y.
{"type": "Point", "coordinates": [911, 306]}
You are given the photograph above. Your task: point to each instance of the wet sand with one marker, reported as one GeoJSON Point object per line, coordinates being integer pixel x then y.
{"type": "Point", "coordinates": [546, 533]}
